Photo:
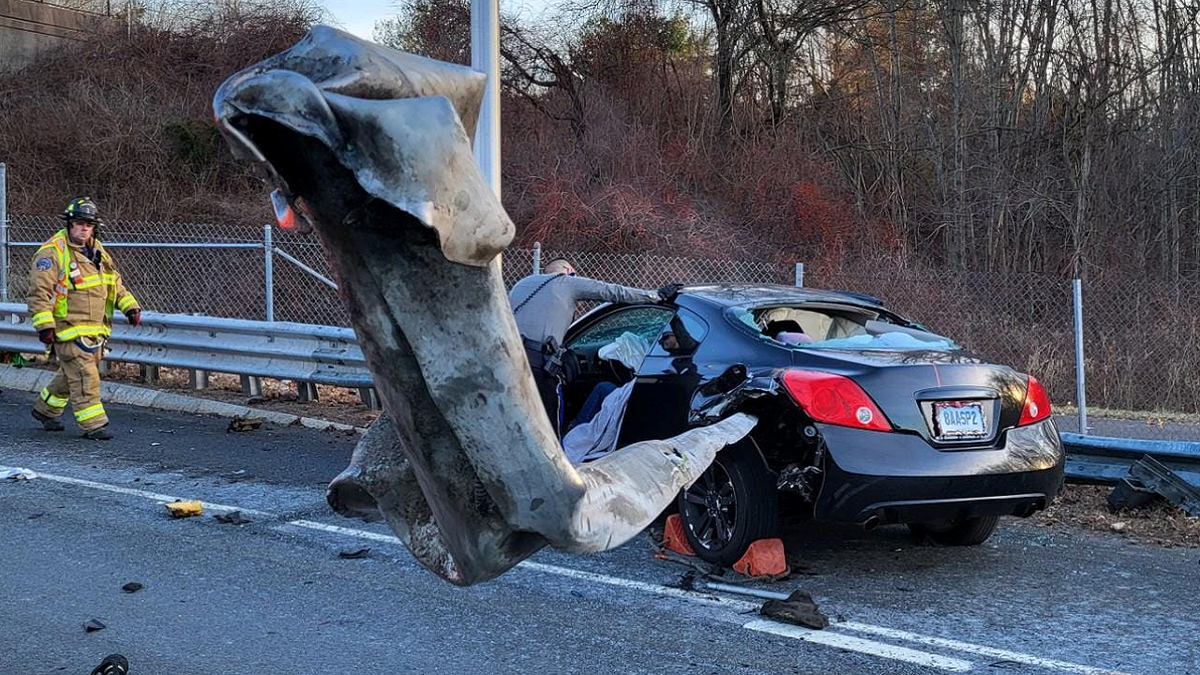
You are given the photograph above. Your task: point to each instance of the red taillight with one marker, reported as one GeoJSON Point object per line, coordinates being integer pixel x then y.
{"type": "Point", "coordinates": [834, 399]}
{"type": "Point", "coordinates": [1037, 403]}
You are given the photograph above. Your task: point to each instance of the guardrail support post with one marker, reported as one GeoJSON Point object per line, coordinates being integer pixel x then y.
{"type": "Point", "coordinates": [251, 386]}
{"type": "Point", "coordinates": [537, 257]}
{"type": "Point", "coordinates": [149, 374]}
{"type": "Point", "coordinates": [369, 398]}
{"type": "Point", "coordinates": [197, 380]}
{"type": "Point", "coordinates": [799, 274]}
{"type": "Point", "coordinates": [1080, 389]}
{"type": "Point", "coordinates": [306, 392]}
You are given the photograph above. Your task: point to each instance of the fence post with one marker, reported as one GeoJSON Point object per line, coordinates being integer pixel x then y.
{"type": "Point", "coordinates": [269, 270]}
{"type": "Point", "coordinates": [1080, 390]}
{"type": "Point", "coordinates": [3, 233]}
{"type": "Point", "coordinates": [800, 274]}
{"type": "Point", "coordinates": [537, 257]}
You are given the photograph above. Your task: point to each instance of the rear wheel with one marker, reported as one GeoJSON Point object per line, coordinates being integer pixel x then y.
{"type": "Point", "coordinates": [963, 532]}
{"type": "Point", "coordinates": [731, 505]}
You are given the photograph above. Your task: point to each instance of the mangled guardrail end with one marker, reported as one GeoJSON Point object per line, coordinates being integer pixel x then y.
{"type": "Point", "coordinates": [372, 148]}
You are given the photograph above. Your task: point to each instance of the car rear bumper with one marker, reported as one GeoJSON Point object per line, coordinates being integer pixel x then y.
{"type": "Point", "coordinates": [899, 478]}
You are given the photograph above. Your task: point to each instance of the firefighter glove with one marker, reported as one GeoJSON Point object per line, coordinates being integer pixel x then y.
{"type": "Point", "coordinates": [46, 335]}
{"type": "Point", "coordinates": [134, 316]}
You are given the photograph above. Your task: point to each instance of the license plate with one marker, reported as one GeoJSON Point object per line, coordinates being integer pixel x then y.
{"type": "Point", "coordinates": [955, 420]}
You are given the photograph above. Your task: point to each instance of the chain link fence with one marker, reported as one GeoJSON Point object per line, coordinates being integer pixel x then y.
{"type": "Point", "coordinates": [1141, 339]}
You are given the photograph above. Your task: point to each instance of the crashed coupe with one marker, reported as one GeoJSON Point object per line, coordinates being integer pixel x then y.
{"type": "Point", "coordinates": [864, 416]}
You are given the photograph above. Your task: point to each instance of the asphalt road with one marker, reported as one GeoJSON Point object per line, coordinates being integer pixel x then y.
{"type": "Point", "coordinates": [273, 595]}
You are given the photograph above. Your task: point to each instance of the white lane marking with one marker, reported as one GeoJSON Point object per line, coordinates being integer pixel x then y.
{"type": "Point", "coordinates": [880, 649]}
{"type": "Point", "coordinates": [154, 496]}
{"type": "Point", "coordinates": [693, 596]}
{"type": "Point", "coordinates": [737, 605]}
{"type": "Point", "coordinates": [981, 650]}
{"type": "Point", "coordinates": [830, 639]}
{"type": "Point", "coordinates": [336, 529]}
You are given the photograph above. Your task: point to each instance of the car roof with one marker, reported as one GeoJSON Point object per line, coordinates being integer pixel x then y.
{"type": "Point", "coordinates": [750, 295]}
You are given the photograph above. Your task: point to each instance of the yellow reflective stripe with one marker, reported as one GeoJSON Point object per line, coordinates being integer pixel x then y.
{"type": "Point", "coordinates": [126, 302]}
{"type": "Point", "coordinates": [42, 318]}
{"type": "Point", "coordinates": [85, 330]}
{"type": "Point", "coordinates": [96, 279]}
{"type": "Point", "coordinates": [52, 400]}
{"type": "Point", "coordinates": [89, 412]}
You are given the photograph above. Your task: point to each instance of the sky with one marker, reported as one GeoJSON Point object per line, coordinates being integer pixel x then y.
{"type": "Point", "coordinates": [359, 16]}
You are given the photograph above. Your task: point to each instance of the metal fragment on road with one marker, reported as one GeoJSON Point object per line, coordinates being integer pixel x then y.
{"type": "Point", "coordinates": [371, 147]}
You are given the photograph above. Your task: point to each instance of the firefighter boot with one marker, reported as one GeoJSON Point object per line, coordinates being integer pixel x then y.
{"type": "Point", "coordinates": [48, 423]}
{"type": "Point", "coordinates": [100, 434]}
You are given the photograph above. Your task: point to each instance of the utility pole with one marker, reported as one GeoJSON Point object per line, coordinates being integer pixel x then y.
{"type": "Point", "coordinates": [485, 57]}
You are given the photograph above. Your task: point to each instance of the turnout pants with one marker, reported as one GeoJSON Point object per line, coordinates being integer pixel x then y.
{"type": "Point", "coordinates": [77, 382]}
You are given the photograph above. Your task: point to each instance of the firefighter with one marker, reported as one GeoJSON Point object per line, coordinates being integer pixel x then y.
{"type": "Point", "coordinates": [74, 288]}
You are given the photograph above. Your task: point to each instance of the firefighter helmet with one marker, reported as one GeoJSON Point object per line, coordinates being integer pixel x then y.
{"type": "Point", "coordinates": [82, 209]}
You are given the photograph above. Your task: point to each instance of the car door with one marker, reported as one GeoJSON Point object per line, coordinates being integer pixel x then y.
{"type": "Point", "coordinates": [659, 404]}
{"type": "Point", "coordinates": [645, 321]}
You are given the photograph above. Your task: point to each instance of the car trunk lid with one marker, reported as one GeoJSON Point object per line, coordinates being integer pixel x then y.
{"type": "Point", "coordinates": [950, 398]}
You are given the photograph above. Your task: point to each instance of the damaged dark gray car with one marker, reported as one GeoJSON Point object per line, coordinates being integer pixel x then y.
{"type": "Point", "coordinates": [864, 416]}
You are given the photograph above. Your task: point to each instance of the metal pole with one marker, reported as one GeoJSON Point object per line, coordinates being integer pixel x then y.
{"type": "Point", "coordinates": [537, 257]}
{"type": "Point", "coordinates": [3, 233]}
{"type": "Point", "coordinates": [269, 271]}
{"type": "Point", "coordinates": [485, 57]}
{"type": "Point", "coordinates": [1080, 389]}
{"type": "Point", "coordinates": [800, 274]}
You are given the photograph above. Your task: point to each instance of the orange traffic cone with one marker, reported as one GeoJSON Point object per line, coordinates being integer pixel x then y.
{"type": "Point", "coordinates": [673, 537]}
{"type": "Point", "coordinates": [764, 558]}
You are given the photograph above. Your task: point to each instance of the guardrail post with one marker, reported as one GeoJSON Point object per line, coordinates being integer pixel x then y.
{"type": "Point", "coordinates": [1080, 389]}
{"type": "Point", "coordinates": [269, 270]}
{"type": "Point", "coordinates": [800, 274]}
{"type": "Point", "coordinates": [369, 398]}
{"type": "Point", "coordinates": [3, 233]}
{"type": "Point", "coordinates": [197, 380]}
{"type": "Point", "coordinates": [149, 374]}
{"type": "Point", "coordinates": [306, 392]}
{"type": "Point", "coordinates": [537, 257]}
{"type": "Point", "coordinates": [251, 386]}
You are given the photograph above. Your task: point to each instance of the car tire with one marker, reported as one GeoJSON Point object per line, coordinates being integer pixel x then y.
{"type": "Point", "coordinates": [965, 532]}
{"type": "Point", "coordinates": [746, 503]}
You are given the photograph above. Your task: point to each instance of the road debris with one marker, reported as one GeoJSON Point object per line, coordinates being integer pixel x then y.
{"type": "Point", "coordinates": [132, 587]}
{"type": "Point", "coordinates": [1172, 486]}
{"type": "Point", "coordinates": [232, 518]}
{"type": "Point", "coordinates": [16, 473]}
{"type": "Point", "coordinates": [349, 554]}
{"type": "Point", "coordinates": [244, 424]}
{"type": "Point", "coordinates": [182, 509]}
{"type": "Point", "coordinates": [798, 609]}
{"type": "Point", "coordinates": [113, 664]}
{"type": "Point", "coordinates": [93, 625]}
{"type": "Point", "coordinates": [1130, 493]}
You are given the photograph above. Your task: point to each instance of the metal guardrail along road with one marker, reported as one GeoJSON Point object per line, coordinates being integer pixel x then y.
{"type": "Point", "coordinates": [279, 350]}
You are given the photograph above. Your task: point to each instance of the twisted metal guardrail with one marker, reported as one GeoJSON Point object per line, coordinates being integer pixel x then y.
{"type": "Point", "coordinates": [1105, 460]}
{"type": "Point", "coordinates": [278, 350]}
